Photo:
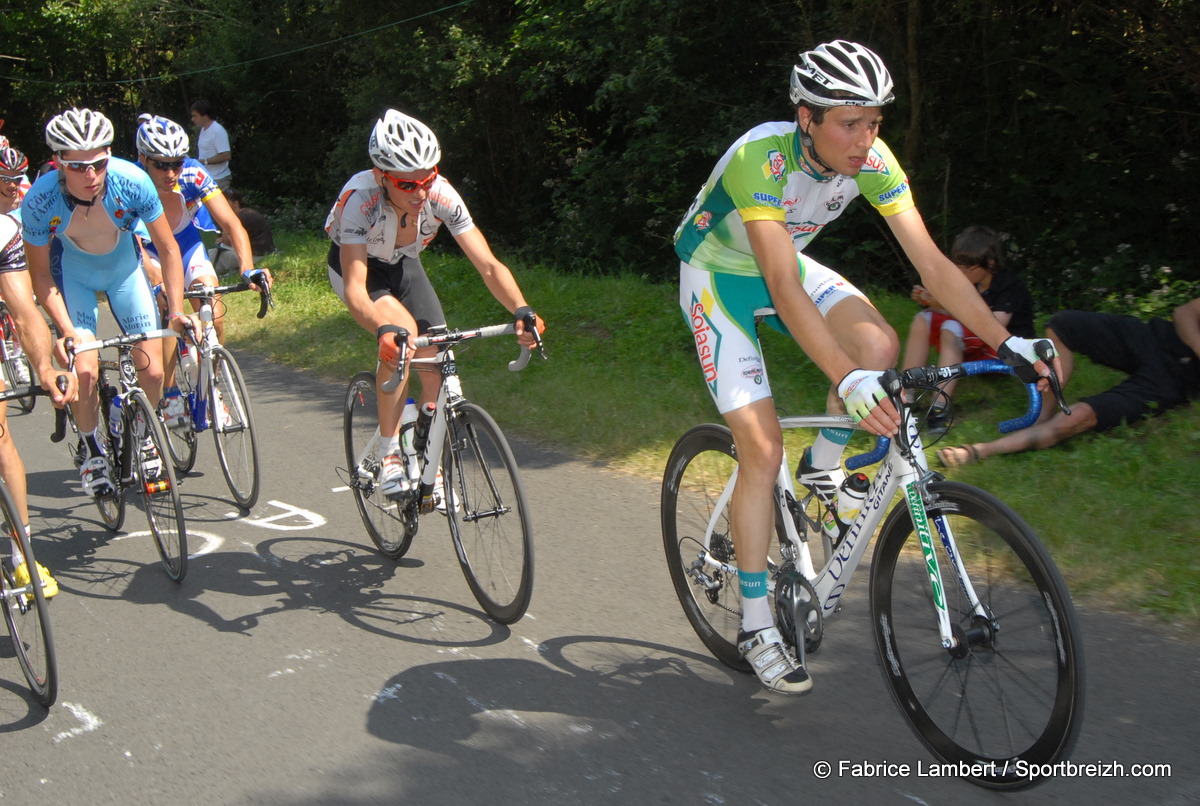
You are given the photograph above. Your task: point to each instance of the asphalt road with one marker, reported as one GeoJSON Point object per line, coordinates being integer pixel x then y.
{"type": "Point", "coordinates": [295, 665]}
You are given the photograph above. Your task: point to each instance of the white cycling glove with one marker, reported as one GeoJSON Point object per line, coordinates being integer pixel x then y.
{"type": "Point", "coordinates": [861, 391]}
{"type": "Point", "coordinates": [1021, 354]}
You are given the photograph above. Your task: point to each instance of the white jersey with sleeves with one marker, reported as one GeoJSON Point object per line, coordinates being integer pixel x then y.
{"type": "Point", "coordinates": [361, 215]}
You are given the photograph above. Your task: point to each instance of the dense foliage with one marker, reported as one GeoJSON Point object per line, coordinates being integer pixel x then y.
{"type": "Point", "coordinates": [580, 129]}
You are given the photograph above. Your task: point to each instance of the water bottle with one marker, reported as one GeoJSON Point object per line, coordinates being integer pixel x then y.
{"type": "Point", "coordinates": [187, 362]}
{"type": "Point", "coordinates": [114, 421]}
{"type": "Point", "coordinates": [850, 497]}
{"type": "Point", "coordinates": [408, 424]}
{"type": "Point", "coordinates": [421, 429]}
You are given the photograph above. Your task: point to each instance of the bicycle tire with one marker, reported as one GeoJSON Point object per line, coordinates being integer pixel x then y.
{"type": "Point", "coordinates": [488, 516]}
{"type": "Point", "coordinates": [182, 440]}
{"type": "Point", "coordinates": [698, 469]}
{"type": "Point", "coordinates": [1013, 724]}
{"type": "Point", "coordinates": [233, 428]}
{"type": "Point", "coordinates": [157, 485]}
{"type": "Point", "coordinates": [390, 525]}
{"type": "Point", "coordinates": [27, 616]}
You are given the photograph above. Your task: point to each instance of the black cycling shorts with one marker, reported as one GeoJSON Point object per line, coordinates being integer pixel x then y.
{"type": "Point", "coordinates": [406, 281]}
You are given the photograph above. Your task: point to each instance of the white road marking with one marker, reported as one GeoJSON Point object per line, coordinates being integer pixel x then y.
{"type": "Point", "coordinates": [89, 722]}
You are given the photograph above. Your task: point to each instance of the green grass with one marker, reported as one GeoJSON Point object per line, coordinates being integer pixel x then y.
{"type": "Point", "coordinates": [1117, 510]}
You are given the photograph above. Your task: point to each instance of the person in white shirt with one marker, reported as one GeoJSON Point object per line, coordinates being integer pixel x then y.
{"type": "Point", "coordinates": [212, 145]}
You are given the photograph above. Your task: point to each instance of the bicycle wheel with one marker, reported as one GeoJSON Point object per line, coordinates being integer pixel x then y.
{"type": "Point", "coordinates": [698, 470]}
{"type": "Point", "coordinates": [25, 609]}
{"type": "Point", "coordinates": [154, 478]}
{"type": "Point", "coordinates": [233, 428]}
{"type": "Point", "coordinates": [15, 364]}
{"type": "Point", "coordinates": [489, 519]}
{"type": "Point", "coordinates": [182, 439]}
{"type": "Point", "coordinates": [1010, 695]}
{"type": "Point", "coordinates": [390, 524]}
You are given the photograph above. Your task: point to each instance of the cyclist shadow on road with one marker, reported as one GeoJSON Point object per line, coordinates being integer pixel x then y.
{"type": "Point", "coordinates": [602, 716]}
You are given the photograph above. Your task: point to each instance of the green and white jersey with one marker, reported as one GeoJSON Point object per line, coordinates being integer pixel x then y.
{"type": "Point", "coordinates": [764, 176]}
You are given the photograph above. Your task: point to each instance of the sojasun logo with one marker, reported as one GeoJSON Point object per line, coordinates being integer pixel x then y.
{"type": "Point", "coordinates": [708, 341]}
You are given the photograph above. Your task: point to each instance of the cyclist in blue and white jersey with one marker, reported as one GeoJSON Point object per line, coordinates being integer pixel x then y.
{"type": "Point", "coordinates": [381, 222]}
{"type": "Point", "coordinates": [741, 246]}
{"type": "Point", "coordinates": [91, 206]}
{"type": "Point", "coordinates": [191, 202]}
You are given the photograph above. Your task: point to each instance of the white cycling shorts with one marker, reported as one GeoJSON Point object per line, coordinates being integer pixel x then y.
{"type": "Point", "coordinates": [719, 309]}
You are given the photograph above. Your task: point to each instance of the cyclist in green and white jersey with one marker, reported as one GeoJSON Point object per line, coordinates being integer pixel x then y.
{"type": "Point", "coordinates": [741, 248]}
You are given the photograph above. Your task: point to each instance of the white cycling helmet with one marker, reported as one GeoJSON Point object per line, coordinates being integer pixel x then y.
{"type": "Point", "coordinates": [12, 160]}
{"type": "Point", "coordinates": [402, 143]}
{"type": "Point", "coordinates": [160, 137]}
{"type": "Point", "coordinates": [841, 73]}
{"type": "Point", "coordinates": [78, 130]}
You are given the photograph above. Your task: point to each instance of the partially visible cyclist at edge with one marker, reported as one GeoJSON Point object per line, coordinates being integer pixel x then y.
{"type": "Point", "coordinates": [36, 341]}
{"type": "Point", "coordinates": [90, 206]}
{"type": "Point", "coordinates": [191, 202]}
{"type": "Point", "coordinates": [741, 248]}
{"type": "Point", "coordinates": [382, 220]}
{"type": "Point", "coordinates": [14, 184]}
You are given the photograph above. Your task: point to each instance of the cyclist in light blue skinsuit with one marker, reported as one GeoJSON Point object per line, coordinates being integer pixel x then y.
{"type": "Point", "coordinates": [90, 207]}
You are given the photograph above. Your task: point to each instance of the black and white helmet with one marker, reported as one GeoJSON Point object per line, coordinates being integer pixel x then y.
{"type": "Point", "coordinates": [841, 73]}
{"type": "Point", "coordinates": [160, 137]}
{"type": "Point", "coordinates": [402, 143]}
{"type": "Point", "coordinates": [78, 130]}
{"type": "Point", "coordinates": [12, 160]}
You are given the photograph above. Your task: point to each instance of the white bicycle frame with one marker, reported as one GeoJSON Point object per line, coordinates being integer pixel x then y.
{"type": "Point", "coordinates": [895, 473]}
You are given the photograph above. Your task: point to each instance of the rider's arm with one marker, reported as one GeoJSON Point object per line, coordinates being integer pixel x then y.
{"type": "Point", "coordinates": [354, 280]}
{"type": "Point", "coordinates": [170, 262]}
{"type": "Point", "coordinates": [776, 256]}
{"type": "Point", "coordinates": [38, 260]}
{"type": "Point", "coordinates": [1187, 324]}
{"type": "Point", "coordinates": [944, 280]}
{"type": "Point", "coordinates": [496, 276]}
{"type": "Point", "coordinates": [17, 290]}
{"type": "Point", "coordinates": [232, 231]}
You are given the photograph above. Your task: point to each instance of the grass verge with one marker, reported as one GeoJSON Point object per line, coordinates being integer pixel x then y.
{"type": "Point", "coordinates": [1118, 510]}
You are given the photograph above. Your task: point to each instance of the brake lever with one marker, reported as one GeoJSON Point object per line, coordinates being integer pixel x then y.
{"type": "Point", "coordinates": [1045, 351]}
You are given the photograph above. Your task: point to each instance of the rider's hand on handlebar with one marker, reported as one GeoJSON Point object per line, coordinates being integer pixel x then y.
{"type": "Point", "coordinates": [527, 321]}
{"type": "Point", "coordinates": [255, 279]}
{"type": "Point", "coordinates": [1025, 357]}
{"type": "Point", "coordinates": [179, 322]}
{"type": "Point", "coordinates": [867, 402]}
{"type": "Point", "coordinates": [50, 382]}
{"type": "Point", "coordinates": [390, 337]}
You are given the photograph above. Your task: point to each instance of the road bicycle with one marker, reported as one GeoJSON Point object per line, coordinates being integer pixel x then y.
{"type": "Point", "coordinates": [458, 441]}
{"type": "Point", "coordinates": [975, 630]}
{"type": "Point", "coordinates": [215, 396]}
{"type": "Point", "coordinates": [25, 608]}
{"type": "Point", "coordinates": [18, 372]}
{"type": "Point", "coordinates": [135, 442]}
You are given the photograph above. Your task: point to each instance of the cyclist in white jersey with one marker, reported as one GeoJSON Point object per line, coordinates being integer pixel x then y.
{"type": "Point", "coordinates": [740, 249]}
{"type": "Point", "coordinates": [91, 206]}
{"type": "Point", "coordinates": [36, 341]}
{"type": "Point", "coordinates": [382, 220]}
{"type": "Point", "coordinates": [14, 184]}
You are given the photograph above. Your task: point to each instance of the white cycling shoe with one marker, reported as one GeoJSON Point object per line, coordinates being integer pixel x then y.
{"type": "Point", "coordinates": [773, 662]}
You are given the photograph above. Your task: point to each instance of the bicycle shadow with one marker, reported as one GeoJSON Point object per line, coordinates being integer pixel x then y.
{"type": "Point", "coordinates": [235, 591]}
